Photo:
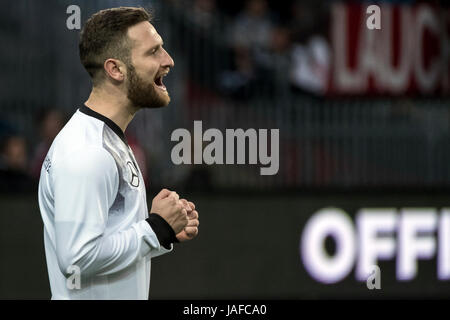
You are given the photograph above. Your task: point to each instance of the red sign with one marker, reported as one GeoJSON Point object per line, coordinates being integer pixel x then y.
{"type": "Point", "coordinates": [409, 54]}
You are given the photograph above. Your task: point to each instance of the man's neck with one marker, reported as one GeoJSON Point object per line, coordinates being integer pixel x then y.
{"type": "Point", "coordinates": [113, 105]}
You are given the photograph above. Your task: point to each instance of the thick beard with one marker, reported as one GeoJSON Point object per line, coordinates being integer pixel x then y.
{"type": "Point", "coordinates": [143, 94]}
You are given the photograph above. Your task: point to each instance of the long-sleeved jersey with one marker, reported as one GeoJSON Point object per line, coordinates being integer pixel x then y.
{"type": "Point", "coordinates": [98, 236]}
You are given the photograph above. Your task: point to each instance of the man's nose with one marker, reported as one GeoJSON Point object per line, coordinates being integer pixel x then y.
{"type": "Point", "coordinates": [168, 61]}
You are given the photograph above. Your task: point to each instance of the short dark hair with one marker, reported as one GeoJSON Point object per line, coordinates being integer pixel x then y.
{"type": "Point", "coordinates": [104, 36]}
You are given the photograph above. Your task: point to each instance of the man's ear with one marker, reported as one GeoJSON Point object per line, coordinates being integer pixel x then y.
{"type": "Point", "coordinates": [114, 69]}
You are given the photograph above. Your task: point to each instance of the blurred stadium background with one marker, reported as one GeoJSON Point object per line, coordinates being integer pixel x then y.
{"type": "Point", "coordinates": [364, 119]}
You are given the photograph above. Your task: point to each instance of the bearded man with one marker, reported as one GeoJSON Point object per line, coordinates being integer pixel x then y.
{"type": "Point", "coordinates": [99, 237]}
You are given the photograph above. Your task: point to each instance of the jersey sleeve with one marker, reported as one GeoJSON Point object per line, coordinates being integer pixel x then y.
{"type": "Point", "coordinates": [85, 186]}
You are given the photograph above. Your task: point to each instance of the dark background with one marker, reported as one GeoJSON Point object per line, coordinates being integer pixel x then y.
{"type": "Point", "coordinates": [248, 247]}
{"type": "Point", "coordinates": [367, 149]}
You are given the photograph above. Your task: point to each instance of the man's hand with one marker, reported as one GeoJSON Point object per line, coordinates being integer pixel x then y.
{"type": "Point", "coordinates": [169, 206]}
{"type": "Point", "coordinates": [191, 230]}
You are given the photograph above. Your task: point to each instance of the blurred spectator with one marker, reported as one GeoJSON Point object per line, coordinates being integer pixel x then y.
{"type": "Point", "coordinates": [311, 52]}
{"type": "Point", "coordinates": [273, 65]}
{"type": "Point", "coordinates": [311, 65]}
{"type": "Point", "coordinates": [13, 165]}
{"type": "Point", "coordinates": [14, 153]}
{"type": "Point", "coordinates": [252, 26]}
{"type": "Point", "coordinates": [236, 82]}
{"type": "Point", "coordinates": [203, 13]}
{"type": "Point", "coordinates": [304, 20]}
{"type": "Point", "coordinates": [250, 38]}
{"type": "Point", "coordinates": [50, 122]}
{"type": "Point", "coordinates": [280, 40]}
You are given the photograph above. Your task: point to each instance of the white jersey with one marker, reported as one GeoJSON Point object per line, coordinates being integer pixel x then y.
{"type": "Point", "coordinates": [93, 204]}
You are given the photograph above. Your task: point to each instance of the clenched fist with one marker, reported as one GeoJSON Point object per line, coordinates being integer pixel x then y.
{"type": "Point", "coordinates": [169, 206]}
{"type": "Point", "coordinates": [191, 229]}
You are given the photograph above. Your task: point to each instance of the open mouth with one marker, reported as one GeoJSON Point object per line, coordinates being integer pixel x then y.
{"type": "Point", "coordinates": [159, 82]}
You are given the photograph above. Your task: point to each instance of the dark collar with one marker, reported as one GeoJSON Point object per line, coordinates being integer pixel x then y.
{"type": "Point", "coordinates": [114, 127]}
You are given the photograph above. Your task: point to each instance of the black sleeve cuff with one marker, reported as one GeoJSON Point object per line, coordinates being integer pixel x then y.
{"type": "Point", "coordinates": [164, 232]}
